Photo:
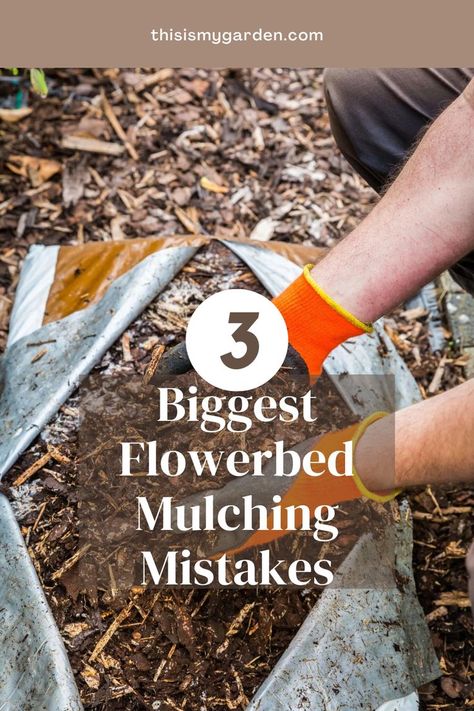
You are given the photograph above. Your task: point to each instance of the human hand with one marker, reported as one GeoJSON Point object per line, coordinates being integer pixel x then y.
{"type": "Point", "coordinates": [323, 476]}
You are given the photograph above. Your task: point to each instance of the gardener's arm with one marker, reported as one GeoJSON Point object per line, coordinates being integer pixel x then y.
{"type": "Point", "coordinates": [422, 225]}
{"type": "Point", "coordinates": [428, 443]}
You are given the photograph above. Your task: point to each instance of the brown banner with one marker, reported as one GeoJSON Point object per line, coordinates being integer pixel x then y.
{"type": "Point", "coordinates": [98, 33]}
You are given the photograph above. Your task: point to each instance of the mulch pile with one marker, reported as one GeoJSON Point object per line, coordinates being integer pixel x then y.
{"type": "Point", "coordinates": [234, 153]}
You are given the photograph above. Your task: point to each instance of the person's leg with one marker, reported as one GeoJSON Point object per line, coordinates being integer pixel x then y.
{"type": "Point", "coordinates": [377, 116]}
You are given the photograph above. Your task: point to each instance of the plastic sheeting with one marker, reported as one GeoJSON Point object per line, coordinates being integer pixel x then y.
{"type": "Point", "coordinates": [427, 299]}
{"type": "Point", "coordinates": [360, 645]}
{"type": "Point", "coordinates": [73, 345]}
{"type": "Point", "coordinates": [37, 275]}
{"type": "Point", "coordinates": [34, 673]}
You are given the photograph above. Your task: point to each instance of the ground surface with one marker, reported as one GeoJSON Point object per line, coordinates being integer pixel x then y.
{"type": "Point", "coordinates": [261, 140]}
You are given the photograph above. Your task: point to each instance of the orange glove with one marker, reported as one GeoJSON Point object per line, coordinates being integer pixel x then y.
{"type": "Point", "coordinates": [316, 323]}
{"type": "Point", "coordinates": [326, 489]}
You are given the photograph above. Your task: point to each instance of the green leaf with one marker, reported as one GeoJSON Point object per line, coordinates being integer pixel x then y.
{"type": "Point", "coordinates": [14, 71]}
{"type": "Point", "coordinates": [38, 82]}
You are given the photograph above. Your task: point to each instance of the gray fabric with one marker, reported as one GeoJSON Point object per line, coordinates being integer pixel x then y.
{"type": "Point", "coordinates": [377, 115]}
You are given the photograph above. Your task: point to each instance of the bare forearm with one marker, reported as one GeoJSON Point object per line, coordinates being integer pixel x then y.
{"type": "Point", "coordinates": [431, 442]}
{"type": "Point", "coordinates": [422, 225]}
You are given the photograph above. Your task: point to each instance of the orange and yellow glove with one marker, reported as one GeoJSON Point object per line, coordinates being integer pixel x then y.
{"type": "Point", "coordinates": [324, 490]}
{"type": "Point", "coordinates": [316, 323]}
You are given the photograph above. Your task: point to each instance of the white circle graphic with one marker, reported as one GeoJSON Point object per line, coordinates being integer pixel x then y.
{"type": "Point", "coordinates": [237, 340]}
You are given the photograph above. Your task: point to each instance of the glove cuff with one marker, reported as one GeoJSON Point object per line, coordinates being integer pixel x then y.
{"type": "Point", "coordinates": [381, 496]}
{"type": "Point", "coordinates": [316, 323]}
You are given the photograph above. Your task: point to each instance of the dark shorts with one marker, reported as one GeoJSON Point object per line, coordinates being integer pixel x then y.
{"type": "Point", "coordinates": [378, 114]}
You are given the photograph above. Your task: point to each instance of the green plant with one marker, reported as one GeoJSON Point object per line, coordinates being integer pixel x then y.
{"type": "Point", "coordinates": [37, 79]}
{"type": "Point", "coordinates": [38, 82]}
